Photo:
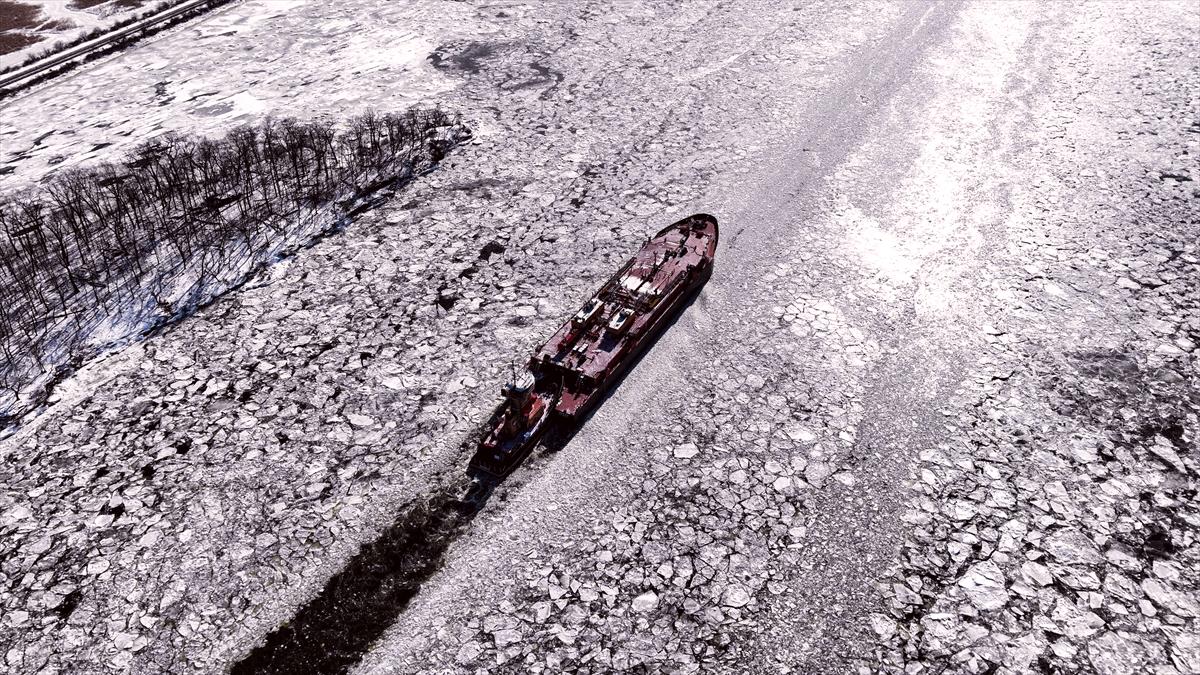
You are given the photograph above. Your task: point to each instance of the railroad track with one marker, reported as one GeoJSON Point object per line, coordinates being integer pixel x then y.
{"type": "Point", "coordinates": [12, 81]}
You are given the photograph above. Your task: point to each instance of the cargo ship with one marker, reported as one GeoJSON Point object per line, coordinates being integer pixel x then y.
{"type": "Point", "coordinates": [571, 373]}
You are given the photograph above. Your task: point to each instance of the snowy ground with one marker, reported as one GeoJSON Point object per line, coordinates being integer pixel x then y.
{"type": "Point", "coordinates": [67, 19]}
{"type": "Point", "coordinates": [936, 410]}
{"type": "Point", "coordinates": [232, 66]}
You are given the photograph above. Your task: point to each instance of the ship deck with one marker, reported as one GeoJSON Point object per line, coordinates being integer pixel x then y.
{"type": "Point", "coordinates": [644, 288]}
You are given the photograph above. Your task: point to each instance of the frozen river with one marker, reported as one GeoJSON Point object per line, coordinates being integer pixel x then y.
{"type": "Point", "coordinates": [936, 411]}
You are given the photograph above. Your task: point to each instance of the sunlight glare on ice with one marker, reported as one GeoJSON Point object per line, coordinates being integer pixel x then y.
{"type": "Point", "coordinates": [878, 248]}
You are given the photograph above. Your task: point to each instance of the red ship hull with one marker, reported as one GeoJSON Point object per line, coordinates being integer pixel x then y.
{"type": "Point", "coordinates": [573, 371]}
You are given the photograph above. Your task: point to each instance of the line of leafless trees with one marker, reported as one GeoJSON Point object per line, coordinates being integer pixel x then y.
{"type": "Point", "coordinates": [98, 237]}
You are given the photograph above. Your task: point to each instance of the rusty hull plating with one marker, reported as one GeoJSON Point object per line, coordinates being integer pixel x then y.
{"type": "Point", "coordinates": [578, 365]}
